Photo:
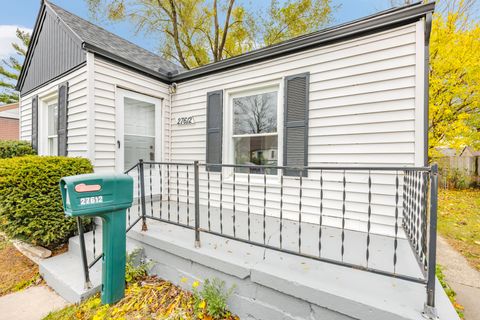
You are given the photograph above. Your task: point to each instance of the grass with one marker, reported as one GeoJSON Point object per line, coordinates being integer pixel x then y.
{"type": "Point", "coordinates": [152, 298]}
{"type": "Point", "coordinates": [16, 271]}
{"type": "Point", "coordinates": [459, 222]}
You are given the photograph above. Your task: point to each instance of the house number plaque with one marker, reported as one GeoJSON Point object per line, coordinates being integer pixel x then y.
{"type": "Point", "coordinates": [182, 121]}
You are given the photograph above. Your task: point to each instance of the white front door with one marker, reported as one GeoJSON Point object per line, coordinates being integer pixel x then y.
{"type": "Point", "coordinates": [139, 129]}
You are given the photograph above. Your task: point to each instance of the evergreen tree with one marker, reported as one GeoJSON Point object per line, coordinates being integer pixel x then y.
{"type": "Point", "coordinates": [10, 68]}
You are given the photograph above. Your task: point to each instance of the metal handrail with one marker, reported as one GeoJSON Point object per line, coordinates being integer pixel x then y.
{"type": "Point", "coordinates": [424, 251]}
{"type": "Point", "coordinates": [349, 168]}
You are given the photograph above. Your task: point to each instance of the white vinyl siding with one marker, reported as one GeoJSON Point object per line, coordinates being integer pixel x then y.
{"type": "Point", "coordinates": [362, 111]}
{"type": "Point", "coordinates": [108, 77]}
{"type": "Point", "coordinates": [363, 89]}
{"type": "Point", "coordinates": [365, 108]}
{"type": "Point", "coordinates": [77, 111]}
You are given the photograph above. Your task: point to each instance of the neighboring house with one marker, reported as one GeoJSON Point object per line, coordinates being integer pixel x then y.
{"type": "Point", "coordinates": [348, 102]}
{"type": "Point", "coordinates": [9, 122]}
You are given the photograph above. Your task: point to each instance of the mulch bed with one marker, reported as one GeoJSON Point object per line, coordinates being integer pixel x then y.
{"type": "Point", "coordinates": [16, 270]}
{"type": "Point", "coordinates": [147, 299]}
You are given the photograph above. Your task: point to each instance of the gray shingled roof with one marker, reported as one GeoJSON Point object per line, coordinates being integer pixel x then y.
{"type": "Point", "coordinates": [101, 38]}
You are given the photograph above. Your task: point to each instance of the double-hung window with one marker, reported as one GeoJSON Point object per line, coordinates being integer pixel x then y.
{"type": "Point", "coordinates": [261, 127]}
{"type": "Point", "coordinates": [52, 128]}
{"type": "Point", "coordinates": [255, 130]}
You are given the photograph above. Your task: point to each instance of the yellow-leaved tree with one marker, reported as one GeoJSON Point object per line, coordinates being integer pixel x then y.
{"type": "Point", "coordinates": [454, 114]}
{"type": "Point", "coordinates": [196, 32]}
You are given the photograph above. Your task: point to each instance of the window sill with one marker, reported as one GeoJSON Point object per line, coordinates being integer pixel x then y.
{"type": "Point", "coordinates": [256, 180]}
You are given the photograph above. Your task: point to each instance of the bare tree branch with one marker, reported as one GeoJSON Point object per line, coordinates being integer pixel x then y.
{"type": "Point", "coordinates": [215, 18]}
{"type": "Point", "coordinates": [225, 29]}
{"type": "Point", "coordinates": [176, 39]}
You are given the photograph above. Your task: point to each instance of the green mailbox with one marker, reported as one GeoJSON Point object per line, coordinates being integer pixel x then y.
{"type": "Point", "coordinates": [107, 196]}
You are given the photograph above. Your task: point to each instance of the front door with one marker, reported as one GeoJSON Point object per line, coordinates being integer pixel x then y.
{"type": "Point", "coordinates": [139, 123]}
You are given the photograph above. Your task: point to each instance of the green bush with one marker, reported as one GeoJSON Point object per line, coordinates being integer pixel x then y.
{"type": "Point", "coordinates": [458, 179]}
{"type": "Point", "coordinates": [136, 267]}
{"type": "Point", "coordinates": [212, 299]}
{"type": "Point", "coordinates": [13, 148]}
{"type": "Point", "coordinates": [30, 200]}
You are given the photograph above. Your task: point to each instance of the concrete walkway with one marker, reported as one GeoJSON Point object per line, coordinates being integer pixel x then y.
{"type": "Point", "coordinates": [463, 279]}
{"type": "Point", "coordinates": [33, 303]}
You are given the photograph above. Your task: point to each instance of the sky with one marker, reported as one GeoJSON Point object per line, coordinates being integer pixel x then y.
{"type": "Point", "coordinates": [22, 14]}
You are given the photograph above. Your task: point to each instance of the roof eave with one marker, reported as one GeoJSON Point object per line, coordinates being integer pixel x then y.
{"type": "Point", "coordinates": [356, 28]}
{"type": "Point", "coordinates": [104, 53]}
{"type": "Point", "coordinates": [33, 39]}
{"type": "Point", "coordinates": [402, 16]}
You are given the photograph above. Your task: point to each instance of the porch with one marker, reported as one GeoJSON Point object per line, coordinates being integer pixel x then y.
{"type": "Point", "coordinates": [305, 239]}
{"type": "Point", "coordinates": [287, 263]}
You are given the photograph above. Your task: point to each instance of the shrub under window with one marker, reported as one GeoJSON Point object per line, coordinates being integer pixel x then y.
{"type": "Point", "coordinates": [14, 148]}
{"type": "Point", "coordinates": [30, 200]}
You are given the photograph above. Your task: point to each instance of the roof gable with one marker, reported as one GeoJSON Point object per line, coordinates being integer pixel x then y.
{"type": "Point", "coordinates": [467, 152]}
{"type": "Point", "coordinates": [59, 43]}
{"type": "Point", "coordinates": [53, 50]}
{"type": "Point", "coordinates": [97, 37]}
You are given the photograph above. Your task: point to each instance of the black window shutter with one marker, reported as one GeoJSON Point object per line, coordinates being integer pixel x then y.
{"type": "Point", "coordinates": [62, 118]}
{"type": "Point", "coordinates": [296, 97]}
{"type": "Point", "coordinates": [34, 137]}
{"type": "Point", "coordinates": [214, 129]}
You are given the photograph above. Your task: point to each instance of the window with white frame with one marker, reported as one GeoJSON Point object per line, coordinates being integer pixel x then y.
{"type": "Point", "coordinates": [52, 128]}
{"type": "Point", "coordinates": [255, 130]}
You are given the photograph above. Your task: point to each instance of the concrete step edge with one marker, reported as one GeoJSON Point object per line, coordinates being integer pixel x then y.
{"type": "Point", "coordinates": [56, 277]}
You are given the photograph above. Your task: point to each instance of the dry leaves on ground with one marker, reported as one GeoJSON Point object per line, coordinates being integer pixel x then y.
{"type": "Point", "coordinates": [16, 270]}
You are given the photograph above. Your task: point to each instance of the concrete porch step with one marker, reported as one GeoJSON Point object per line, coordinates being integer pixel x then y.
{"type": "Point", "coordinates": [64, 273]}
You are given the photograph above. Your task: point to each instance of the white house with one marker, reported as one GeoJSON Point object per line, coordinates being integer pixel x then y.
{"type": "Point", "coordinates": [346, 97]}
{"type": "Point", "coordinates": [357, 98]}
{"type": "Point", "coordinates": [364, 84]}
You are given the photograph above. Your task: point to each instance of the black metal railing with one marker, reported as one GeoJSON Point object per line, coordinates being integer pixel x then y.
{"type": "Point", "coordinates": [377, 219]}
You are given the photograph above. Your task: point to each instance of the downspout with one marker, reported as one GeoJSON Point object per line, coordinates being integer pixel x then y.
{"type": "Point", "coordinates": [172, 89]}
{"type": "Point", "coordinates": [91, 114]}
{"type": "Point", "coordinates": [426, 101]}
{"type": "Point", "coordinates": [430, 310]}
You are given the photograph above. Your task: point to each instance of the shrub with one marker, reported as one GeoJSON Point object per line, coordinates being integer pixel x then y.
{"type": "Point", "coordinates": [212, 299]}
{"type": "Point", "coordinates": [13, 148]}
{"type": "Point", "coordinates": [30, 199]}
{"type": "Point", "coordinates": [136, 267]}
{"type": "Point", "coordinates": [458, 179]}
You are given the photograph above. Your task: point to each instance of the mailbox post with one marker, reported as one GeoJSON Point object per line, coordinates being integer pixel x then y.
{"type": "Point", "coordinates": [107, 196]}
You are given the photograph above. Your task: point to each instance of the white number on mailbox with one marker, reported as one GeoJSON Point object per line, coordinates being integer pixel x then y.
{"type": "Point", "coordinates": [91, 200]}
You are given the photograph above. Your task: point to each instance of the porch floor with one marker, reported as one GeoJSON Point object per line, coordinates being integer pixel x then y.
{"type": "Point", "coordinates": [381, 247]}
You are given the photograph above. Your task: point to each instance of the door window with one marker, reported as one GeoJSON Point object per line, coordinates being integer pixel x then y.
{"type": "Point", "coordinates": [139, 132]}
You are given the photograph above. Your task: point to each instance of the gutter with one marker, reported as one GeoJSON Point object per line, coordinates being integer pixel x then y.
{"type": "Point", "coordinates": [395, 17]}
{"type": "Point", "coordinates": [374, 23]}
